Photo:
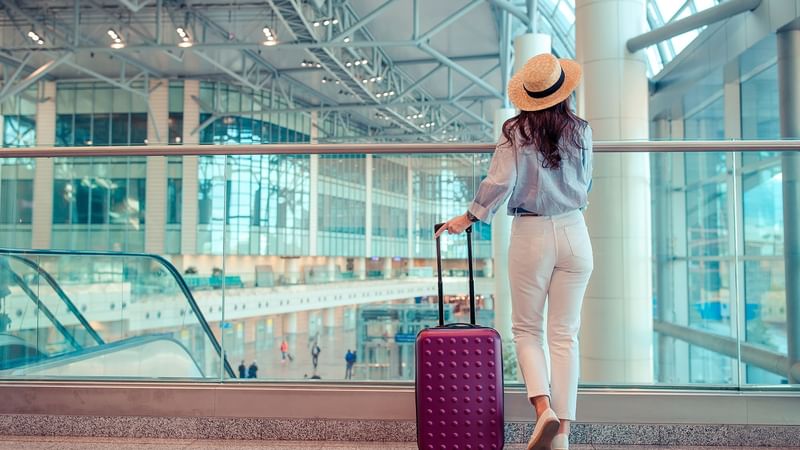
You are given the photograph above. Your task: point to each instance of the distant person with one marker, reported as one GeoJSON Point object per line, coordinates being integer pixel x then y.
{"type": "Point", "coordinates": [315, 356]}
{"type": "Point", "coordinates": [543, 165]}
{"type": "Point", "coordinates": [242, 370]}
{"type": "Point", "coordinates": [350, 360]}
{"type": "Point", "coordinates": [285, 352]}
{"type": "Point", "coordinates": [252, 371]}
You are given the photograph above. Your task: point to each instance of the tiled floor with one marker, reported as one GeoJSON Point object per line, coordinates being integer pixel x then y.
{"type": "Point", "coordinates": [85, 443]}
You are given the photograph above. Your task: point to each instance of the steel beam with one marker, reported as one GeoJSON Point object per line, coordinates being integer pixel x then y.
{"type": "Point", "coordinates": [519, 13]}
{"type": "Point", "coordinates": [12, 90]}
{"type": "Point", "coordinates": [363, 21]}
{"type": "Point", "coordinates": [450, 20]}
{"type": "Point", "coordinates": [711, 15]}
{"type": "Point", "coordinates": [102, 77]}
{"type": "Point", "coordinates": [458, 68]}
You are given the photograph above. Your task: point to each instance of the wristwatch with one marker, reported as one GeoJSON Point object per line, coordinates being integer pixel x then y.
{"type": "Point", "coordinates": [472, 217]}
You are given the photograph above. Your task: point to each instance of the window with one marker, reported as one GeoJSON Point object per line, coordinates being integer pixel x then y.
{"type": "Point", "coordinates": [90, 114]}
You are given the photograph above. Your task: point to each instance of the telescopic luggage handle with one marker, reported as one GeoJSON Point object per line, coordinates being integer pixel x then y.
{"type": "Point", "coordinates": [439, 274]}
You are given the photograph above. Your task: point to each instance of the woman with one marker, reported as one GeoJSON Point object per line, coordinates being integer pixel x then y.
{"type": "Point", "coordinates": [543, 162]}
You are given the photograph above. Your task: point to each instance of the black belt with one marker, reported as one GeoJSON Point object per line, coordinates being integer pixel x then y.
{"type": "Point", "coordinates": [519, 212]}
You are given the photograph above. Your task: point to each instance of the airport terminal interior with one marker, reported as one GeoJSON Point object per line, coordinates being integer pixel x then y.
{"type": "Point", "coordinates": [216, 217]}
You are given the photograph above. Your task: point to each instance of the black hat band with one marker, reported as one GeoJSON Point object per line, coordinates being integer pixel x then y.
{"type": "Point", "coordinates": [549, 91]}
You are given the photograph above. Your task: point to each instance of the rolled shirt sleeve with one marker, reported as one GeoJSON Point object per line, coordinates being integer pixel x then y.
{"type": "Point", "coordinates": [498, 184]}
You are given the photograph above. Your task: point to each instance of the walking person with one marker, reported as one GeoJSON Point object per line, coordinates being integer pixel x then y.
{"type": "Point", "coordinates": [285, 352]}
{"type": "Point", "coordinates": [315, 356]}
{"type": "Point", "coordinates": [242, 370]}
{"type": "Point", "coordinates": [543, 161]}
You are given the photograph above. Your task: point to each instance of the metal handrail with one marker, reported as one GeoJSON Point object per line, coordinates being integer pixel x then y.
{"type": "Point", "coordinates": [388, 148]}
{"type": "Point", "coordinates": [754, 355]}
{"type": "Point", "coordinates": [164, 262]}
{"type": "Point", "coordinates": [61, 295]}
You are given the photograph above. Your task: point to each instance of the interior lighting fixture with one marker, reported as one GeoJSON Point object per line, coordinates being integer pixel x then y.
{"type": "Point", "coordinates": [186, 41]}
{"type": "Point", "coordinates": [348, 64]}
{"type": "Point", "coordinates": [271, 38]}
{"type": "Point", "coordinates": [117, 40]}
{"type": "Point", "coordinates": [327, 21]}
{"type": "Point", "coordinates": [35, 37]}
{"type": "Point", "coordinates": [364, 61]}
{"type": "Point", "coordinates": [347, 39]}
{"type": "Point", "coordinates": [414, 116]}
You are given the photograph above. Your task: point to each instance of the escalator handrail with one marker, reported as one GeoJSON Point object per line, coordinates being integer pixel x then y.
{"type": "Point", "coordinates": [164, 262]}
{"type": "Point", "coordinates": [45, 310]}
{"type": "Point", "coordinates": [91, 352]}
{"type": "Point", "coordinates": [62, 295]}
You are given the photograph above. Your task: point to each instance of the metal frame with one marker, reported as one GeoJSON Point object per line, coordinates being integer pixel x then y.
{"type": "Point", "coordinates": [388, 148]}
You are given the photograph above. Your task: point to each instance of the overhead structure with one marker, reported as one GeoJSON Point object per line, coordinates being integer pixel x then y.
{"type": "Point", "coordinates": [397, 70]}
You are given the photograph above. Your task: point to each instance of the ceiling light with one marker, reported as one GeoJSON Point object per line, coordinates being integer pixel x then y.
{"type": "Point", "coordinates": [335, 21]}
{"type": "Point", "coordinates": [318, 65]}
{"type": "Point", "coordinates": [372, 79]}
{"type": "Point", "coordinates": [358, 63]}
{"type": "Point", "coordinates": [326, 22]}
{"type": "Point", "coordinates": [347, 39]}
{"type": "Point", "coordinates": [364, 61]}
{"type": "Point", "coordinates": [349, 64]}
{"type": "Point", "coordinates": [185, 40]}
{"type": "Point", "coordinates": [379, 78]}
{"type": "Point", "coordinates": [35, 37]}
{"type": "Point", "coordinates": [316, 24]}
{"type": "Point", "coordinates": [117, 44]}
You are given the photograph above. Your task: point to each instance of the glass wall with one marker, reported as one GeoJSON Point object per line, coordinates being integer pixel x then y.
{"type": "Point", "coordinates": [281, 256]}
{"type": "Point", "coordinates": [19, 119]}
{"type": "Point", "coordinates": [237, 115]}
{"type": "Point", "coordinates": [99, 204]}
{"type": "Point", "coordinates": [90, 114]}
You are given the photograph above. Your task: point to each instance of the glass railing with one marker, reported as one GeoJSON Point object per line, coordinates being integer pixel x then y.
{"type": "Point", "coordinates": [297, 255]}
{"type": "Point", "coordinates": [70, 314]}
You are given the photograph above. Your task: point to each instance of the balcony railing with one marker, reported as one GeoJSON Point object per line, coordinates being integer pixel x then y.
{"type": "Point", "coordinates": [329, 245]}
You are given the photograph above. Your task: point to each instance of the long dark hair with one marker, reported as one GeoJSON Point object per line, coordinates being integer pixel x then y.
{"type": "Point", "coordinates": [552, 132]}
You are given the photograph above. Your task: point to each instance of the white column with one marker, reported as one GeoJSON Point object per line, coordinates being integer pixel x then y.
{"type": "Point", "coordinates": [368, 209]}
{"type": "Point", "coordinates": [155, 221]}
{"type": "Point", "coordinates": [788, 79]}
{"type": "Point", "coordinates": [46, 115]}
{"type": "Point", "coordinates": [42, 220]}
{"type": "Point", "coordinates": [291, 272]}
{"type": "Point", "coordinates": [191, 119]}
{"type": "Point", "coordinates": [410, 213]}
{"type": "Point", "coordinates": [332, 268]}
{"type": "Point", "coordinates": [387, 267]}
{"type": "Point", "coordinates": [501, 237]}
{"type": "Point", "coordinates": [313, 204]}
{"type": "Point", "coordinates": [616, 336]}
{"type": "Point", "coordinates": [360, 267]}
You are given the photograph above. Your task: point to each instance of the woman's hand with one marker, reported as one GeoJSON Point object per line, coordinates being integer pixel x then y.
{"type": "Point", "coordinates": [456, 225]}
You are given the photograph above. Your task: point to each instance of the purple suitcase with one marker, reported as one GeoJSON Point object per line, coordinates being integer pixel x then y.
{"type": "Point", "coordinates": [459, 379]}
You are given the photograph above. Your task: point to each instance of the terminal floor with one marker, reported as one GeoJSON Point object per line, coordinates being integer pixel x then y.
{"type": "Point", "coordinates": [87, 443]}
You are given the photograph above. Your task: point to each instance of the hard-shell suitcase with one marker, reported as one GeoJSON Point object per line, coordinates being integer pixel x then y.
{"type": "Point", "coordinates": [459, 379]}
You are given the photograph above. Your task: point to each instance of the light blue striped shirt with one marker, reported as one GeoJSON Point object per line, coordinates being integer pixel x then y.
{"type": "Point", "coordinates": [518, 172]}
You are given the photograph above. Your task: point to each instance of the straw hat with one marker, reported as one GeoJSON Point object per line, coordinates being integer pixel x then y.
{"type": "Point", "coordinates": [543, 81]}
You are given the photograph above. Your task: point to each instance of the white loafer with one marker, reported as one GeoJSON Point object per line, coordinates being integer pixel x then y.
{"type": "Point", "coordinates": [560, 442]}
{"type": "Point", "coordinates": [544, 431]}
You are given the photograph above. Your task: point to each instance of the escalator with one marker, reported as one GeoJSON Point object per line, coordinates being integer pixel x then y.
{"type": "Point", "coordinates": [87, 314]}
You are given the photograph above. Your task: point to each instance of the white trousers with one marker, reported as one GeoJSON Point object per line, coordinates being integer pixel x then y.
{"type": "Point", "coordinates": [550, 261]}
